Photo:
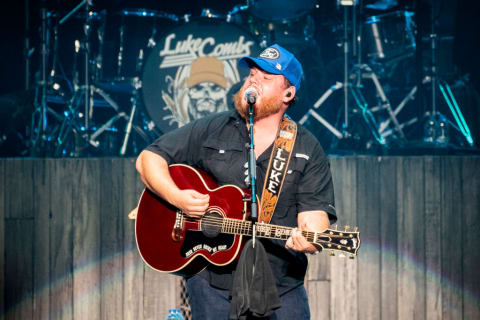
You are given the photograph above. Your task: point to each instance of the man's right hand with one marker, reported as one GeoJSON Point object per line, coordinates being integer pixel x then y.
{"type": "Point", "coordinates": [192, 202]}
{"type": "Point", "coordinates": [153, 170]}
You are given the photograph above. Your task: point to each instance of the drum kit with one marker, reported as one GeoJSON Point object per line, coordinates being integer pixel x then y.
{"type": "Point", "coordinates": [377, 43]}
{"type": "Point", "coordinates": [383, 46]}
{"type": "Point", "coordinates": [111, 82]}
{"type": "Point", "coordinates": [87, 100]}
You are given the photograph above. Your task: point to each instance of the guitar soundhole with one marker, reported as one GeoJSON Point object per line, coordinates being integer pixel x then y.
{"type": "Point", "coordinates": [211, 224]}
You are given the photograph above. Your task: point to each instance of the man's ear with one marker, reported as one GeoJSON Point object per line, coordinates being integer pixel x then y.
{"type": "Point", "coordinates": [289, 94]}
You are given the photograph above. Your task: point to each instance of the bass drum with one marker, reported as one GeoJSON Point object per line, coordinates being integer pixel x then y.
{"type": "Point", "coordinates": [188, 73]}
{"type": "Point", "coordinates": [127, 34]}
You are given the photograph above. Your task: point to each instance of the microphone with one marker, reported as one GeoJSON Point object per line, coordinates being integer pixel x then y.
{"type": "Point", "coordinates": [251, 95]}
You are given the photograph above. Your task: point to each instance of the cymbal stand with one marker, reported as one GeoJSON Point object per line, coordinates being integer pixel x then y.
{"type": "Point", "coordinates": [39, 116]}
{"type": "Point", "coordinates": [360, 71]}
{"type": "Point", "coordinates": [436, 124]}
{"type": "Point", "coordinates": [137, 85]}
{"type": "Point", "coordinates": [84, 136]}
{"type": "Point", "coordinates": [345, 4]}
{"type": "Point", "coordinates": [344, 133]}
{"type": "Point", "coordinates": [27, 50]}
{"type": "Point", "coordinates": [88, 94]}
{"type": "Point", "coordinates": [68, 121]}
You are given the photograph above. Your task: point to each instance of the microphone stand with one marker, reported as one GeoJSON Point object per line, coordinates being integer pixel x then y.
{"type": "Point", "coordinates": [88, 93]}
{"type": "Point", "coordinates": [27, 50]}
{"type": "Point", "coordinates": [252, 167]}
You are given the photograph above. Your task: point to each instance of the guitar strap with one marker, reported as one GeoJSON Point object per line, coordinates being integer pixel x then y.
{"type": "Point", "coordinates": [277, 168]}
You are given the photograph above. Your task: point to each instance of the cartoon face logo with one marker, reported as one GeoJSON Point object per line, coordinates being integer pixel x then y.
{"type": "Point", "coordinates": [206, 87]}
{"type": "Point", "coordinates": [190, 71]}
{"type": "Point", "coordinates": [270, 53]}
{"type": "Point", "coordinates": [206, 98]}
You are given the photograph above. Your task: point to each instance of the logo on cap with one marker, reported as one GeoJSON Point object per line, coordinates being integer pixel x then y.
{"type": "Point", "coordinates": [270, 53]}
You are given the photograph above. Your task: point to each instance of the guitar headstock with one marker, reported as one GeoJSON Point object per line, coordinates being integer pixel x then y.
{"type": "Point", "coordinates": [345, 242]}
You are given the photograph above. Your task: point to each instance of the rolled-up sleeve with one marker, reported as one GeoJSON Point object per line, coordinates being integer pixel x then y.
{"type": "Point", "coordinates": [315, 188]}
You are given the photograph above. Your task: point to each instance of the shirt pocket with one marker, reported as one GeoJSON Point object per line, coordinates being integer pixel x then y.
{"type": "Point", "coordinates": [220, 157]}
{"type": "Point", "coordinates": [297, 164]}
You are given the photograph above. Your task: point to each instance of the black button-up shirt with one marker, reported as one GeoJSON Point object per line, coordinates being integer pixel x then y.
{"type": "Point", "coordinates": [218, 144]}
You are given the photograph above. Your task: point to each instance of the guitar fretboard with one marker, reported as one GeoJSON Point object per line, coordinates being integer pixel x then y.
{"type": "Point", "coordinates": [234, 226]}
{"type": "Point", "coordinates": [330, 239]}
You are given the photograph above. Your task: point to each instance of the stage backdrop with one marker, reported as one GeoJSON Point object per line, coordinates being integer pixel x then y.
{"type": "Point", "coordinates": [67, 248]}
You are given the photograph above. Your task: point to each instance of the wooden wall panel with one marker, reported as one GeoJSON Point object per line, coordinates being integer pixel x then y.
{"type": "Point", "coordinates": [64, 228]}
{"type": "Point", "coordinates": [19, 269]}
{"type": "Point", "coordinates": [111, 220]}
{"type": "Point", "coordinates": [317, 285]}
{"type": "Point", "coordinates": [41, 183]}
{"type": "Point", "coordinates": [86, 231]}
{"type": "Point", "coordinates": [160, 294]}
{"type": "Point", "coordinates": [63, 180]}
{"type": "Point", "coordinates": [18, 184]}
{"type": "Point", "coordinates": [132, 262]}
{"type": "Point", "coordinates": [451, 232]}
{"type": "Point", "coordinates": [319, 300]}
{"type": "Point", "coordinates": [433, 215]}
{"type": "Point", "coordinates": [388, 237]}
{"type": "Point", "coordinates": [318, 267]}
{"type": "Point", "coordinates": [343, 272]}
{"type": "Point", "coordinates": [2, 238]}
{"type": "Point", "coordinates": [411, 233]}
{"type": "Point", "coordinates": [367, 208]}
{"type": "Point", "coordinates": [471, 237]}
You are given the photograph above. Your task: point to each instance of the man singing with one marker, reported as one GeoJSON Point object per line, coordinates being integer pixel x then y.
{"type": "Point", "coordinates": [217, 145]}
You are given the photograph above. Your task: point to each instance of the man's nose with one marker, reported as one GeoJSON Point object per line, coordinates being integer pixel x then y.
{"type": "Point", "coordinates": [253, 80]}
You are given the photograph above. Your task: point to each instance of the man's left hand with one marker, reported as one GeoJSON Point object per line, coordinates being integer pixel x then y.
{"type": "Point", "coordinates": [307, 221]}
{"type": "Point", "coordinates": [298, 242]}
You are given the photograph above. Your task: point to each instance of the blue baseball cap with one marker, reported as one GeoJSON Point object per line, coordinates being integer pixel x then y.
{"type": "Point", "coordinates": [277, 60]}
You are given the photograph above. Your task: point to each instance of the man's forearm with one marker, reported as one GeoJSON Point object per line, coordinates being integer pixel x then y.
{"type": "Point", "coordinates": [154, 172]}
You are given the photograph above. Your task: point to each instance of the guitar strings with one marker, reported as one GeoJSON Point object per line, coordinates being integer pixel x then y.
{"type": "Point", "coordinates": [218, 221]}
{"type": "Point", "coordinates": [246, 228]}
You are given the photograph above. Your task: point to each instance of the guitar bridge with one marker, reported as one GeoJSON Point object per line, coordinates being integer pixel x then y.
{"type": "Point", "coordinates": [177, 232]}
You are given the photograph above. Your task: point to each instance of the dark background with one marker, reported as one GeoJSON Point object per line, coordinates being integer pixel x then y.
{"type": "Point", "coordinates": [456, 22]}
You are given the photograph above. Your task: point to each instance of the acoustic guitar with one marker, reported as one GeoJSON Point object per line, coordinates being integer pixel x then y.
{"type": "Point", "coordinates": [170, 241]}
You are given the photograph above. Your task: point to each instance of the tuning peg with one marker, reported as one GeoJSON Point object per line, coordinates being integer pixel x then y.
{"type": "Point", "coordinates": [355, 229]}
{"type": "Point", "coordinates": [346, 228]}
{"type": "Point", "coordinates": [351, 257]}
{"type": "Point", "coordinates": [332, 254]}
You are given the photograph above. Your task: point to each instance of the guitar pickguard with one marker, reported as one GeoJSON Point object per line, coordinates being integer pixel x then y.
{"type": "Point", "coordinates": [196, 241]}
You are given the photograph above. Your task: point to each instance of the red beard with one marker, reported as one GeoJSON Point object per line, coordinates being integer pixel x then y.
{"type": "Point", "coordinates": [268, 106]}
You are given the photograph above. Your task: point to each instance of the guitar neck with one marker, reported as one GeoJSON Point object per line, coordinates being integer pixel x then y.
{"type": "Point", "coordinates": [329, 239]}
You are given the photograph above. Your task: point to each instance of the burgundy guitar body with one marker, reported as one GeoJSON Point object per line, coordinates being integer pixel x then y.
{"type": "Point", "coordinates": [170, 241]}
